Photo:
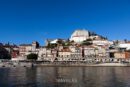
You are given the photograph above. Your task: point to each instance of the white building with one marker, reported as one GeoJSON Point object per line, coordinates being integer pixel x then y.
{"type": "Point", "coordinates": [47, 54]}
{"type": "Point", "coordinates": [89, 51]}
{"type": "Point", "coordinates": [102, 42]}
{"type": "Point", "coordinates": [124, 45]}
{"type": "Point", "coordinates": [54, 41]}
{"type": "Point", "coordinates": [102, 51]}
{"type": "Point", "coordinates": [42, 52]}
{"type": "Point", "coordinates": [76, 52]}
{"type": "Point", "coordinates": [64, 54]}
{"type": "Point", "coordinates": [79, 35]}
{"type": "Point", "coordinates": [26, 49]}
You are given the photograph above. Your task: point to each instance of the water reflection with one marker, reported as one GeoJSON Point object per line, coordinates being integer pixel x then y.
{"type": "Point", "coordinates": [65, 77]}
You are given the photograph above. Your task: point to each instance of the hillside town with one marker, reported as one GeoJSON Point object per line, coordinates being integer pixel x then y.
{"type": "Point", "coordinates": [81, 45]}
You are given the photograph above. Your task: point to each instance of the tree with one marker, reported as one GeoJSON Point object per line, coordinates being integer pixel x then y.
{"type": "Point", "coordinates": [71, 42]}
{"type": "Point", "coordinates": [51, 45]}
{"type": "Point", "coordinates": [59, 41]}
{"type": "Point", "coordinates": [89, 39]}
{"type": "Point", "coordinates": [125, 40]}
{"type": "Point", "coordinates": [66, 44]}
{"type": "Point", "coordinates": [32, 56]}
{"type": "Point", "coordinates": [106, 38]}
{"type": "Point", "coordinates": [85, 42]}
{"type": "Point", "coordinates": [4, 54]}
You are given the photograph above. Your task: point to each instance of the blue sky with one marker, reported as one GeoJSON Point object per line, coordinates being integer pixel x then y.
{"type": "Point", "coordinates": [24, 21]}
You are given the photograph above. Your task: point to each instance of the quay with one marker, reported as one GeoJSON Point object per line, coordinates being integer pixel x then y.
{"type": "Point", "coordinates": [86, 62]}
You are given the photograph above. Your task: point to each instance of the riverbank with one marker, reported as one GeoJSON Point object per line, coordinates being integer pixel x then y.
{"type": "Point", "coordinates": [86, 65]}
{"type": "Point", "coordinates": [41, 64]}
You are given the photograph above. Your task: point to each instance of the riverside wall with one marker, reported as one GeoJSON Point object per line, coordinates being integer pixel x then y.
{"type": "Point", "coordinates": [50, 64]}
{"type": "Point", "coordinates": [87, 62]}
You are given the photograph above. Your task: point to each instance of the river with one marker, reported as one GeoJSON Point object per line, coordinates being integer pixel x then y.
{"type": "Point", "coordinates": [65, 77]}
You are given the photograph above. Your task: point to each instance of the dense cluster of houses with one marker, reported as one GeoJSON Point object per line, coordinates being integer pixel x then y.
{"type": "Point", "coordinates": [82, 44]}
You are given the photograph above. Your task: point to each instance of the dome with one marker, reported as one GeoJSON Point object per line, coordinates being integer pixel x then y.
{"type": "Point", "coordinates": [79, 35]}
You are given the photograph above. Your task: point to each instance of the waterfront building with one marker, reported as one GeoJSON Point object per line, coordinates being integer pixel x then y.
{"type": "Point", "coordinates": [64, 53]}
{"type": "Point", "coordinates": [54, 53]}
{"type": "Point", "coordinates": [8, 47]}
{"type": "Point", "coordinates": [103, 51]}
{"type": "Point", "coordinates": [112, 51]}
{"type": "Point", "coordinates": [26, 49]}
{"type": "Point", "coordinates": [89, 51]}
{"type": "Point", "coordinates": [42, 52]}
{"type": "Point", "coordinates": [48, 54]}
{"type": "Point", "coordinates": [4, 54]}
{"type": "Point", "coordinates": [12, 49]}
{"type": "Point", "coordinates": [15, 52]}
{"type": "Point", "coordinates": [60, 48]}
{"type": "Point", "coordinates": [76, 52]}
{"type": "Point", "coordinates": [125, 54]}
{"type": "Point", "coordinates": [35, 46]}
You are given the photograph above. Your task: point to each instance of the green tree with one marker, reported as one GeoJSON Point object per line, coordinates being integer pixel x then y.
{"type": "Point", "coordinates": [89, 39]}
{"type": "Point", "coordinates": [4, 54]}
{"type": "Point", "coordinates": [125, 40]}
{"type": "Point", "coordinates": [32, 56]}
{"type": "Point", "coordinates": [85, 42]}
{"type": "Point", "coordinates": [59, 41]}
{"type": "Point", "coordinates": [51, 45]}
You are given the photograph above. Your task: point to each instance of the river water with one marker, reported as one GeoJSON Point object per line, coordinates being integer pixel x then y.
{"type": "Point", "coordinates": [65, 77]}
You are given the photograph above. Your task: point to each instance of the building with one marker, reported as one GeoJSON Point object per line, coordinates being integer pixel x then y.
{"type": "Point", "coordinates": [8, 47]}
{"type": "Point", "coordinates": [89, 51]}
{"type": "Point", "coordinates": [102, 42]}
{"type": "Point", "coordinates": [125, 54]}
{"type": "Point", "coordinates": [76, 52]}
{"type": "Point", "coordinates": [54, 41]}
{"type": "Point", "coordinates": [15, 54]}
{"type": "Point", "coordinates": [25, 49]}
{"type": "Point", "coordinates": [102, 51]}
{"type": "Point", "coordinates": [79, 35]}
{"type": "Point", "coordinates": [97, 37]}
{"type": "Point", "coordinates": [47, 54]}
{"type": "Point", "coordinates": [35, 45]}
{"type": "Point", "coordinates": [124, 46]}
{"type": "Point", "coordinates": [42, 52]}
{"type": "Point", "coordinates": [112, 51]}
{"type": "Point", "coordinates": [4, 54]}
{"type": "Point", "coordinates": [13, 50]}
{"type": "Point", "coordinates": [64, 53]}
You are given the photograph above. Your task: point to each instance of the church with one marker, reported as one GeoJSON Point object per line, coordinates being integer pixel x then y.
{"type": "Point", "coordinates": [79, 35]}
